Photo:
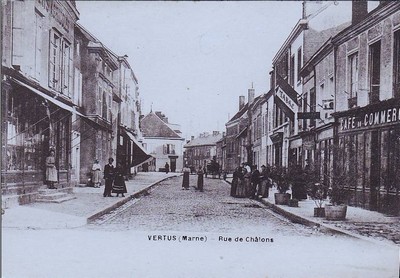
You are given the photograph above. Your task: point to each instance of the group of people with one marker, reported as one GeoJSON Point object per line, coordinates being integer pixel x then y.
{"type": "Point", "coordinates": [249, 182]}
{"type": "Point", "coordinates": [113, 176]}
{"type": "Point", "coordinates": [114, 179]}
{"type": "Point", "coordinates": [200, 178]}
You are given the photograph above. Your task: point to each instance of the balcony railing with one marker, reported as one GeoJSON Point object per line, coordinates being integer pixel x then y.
{"type": "Point", "coordinates": [373, 95]}
{"type": "Point", "coordinates": [352, 102]}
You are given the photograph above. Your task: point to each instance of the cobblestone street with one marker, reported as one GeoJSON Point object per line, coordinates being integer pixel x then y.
{"type": "Point", "coordinates": [168, 207]}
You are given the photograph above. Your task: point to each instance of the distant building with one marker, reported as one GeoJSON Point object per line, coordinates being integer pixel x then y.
{"type": "Point", "coordinates": [236, 137]}
{"type": "Point", "coordinates": [163, 141]}
{"type": "Point", "coordinates": [201, 150]}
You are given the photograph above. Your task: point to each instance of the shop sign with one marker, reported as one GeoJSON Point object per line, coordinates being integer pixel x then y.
{"type": "Point", "coordinates": [370, 119]}
{"type": "Point", "coordinates": [286, 99]}
{"type": "Point", "coordinates": [308, 115]}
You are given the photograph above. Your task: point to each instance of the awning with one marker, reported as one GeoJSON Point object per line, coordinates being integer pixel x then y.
{"type": "Point", "coordinates": [49, 98]}
{"type": "Point", "coordinates": [140, 155]}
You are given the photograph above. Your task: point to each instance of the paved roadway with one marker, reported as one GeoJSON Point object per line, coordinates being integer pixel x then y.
{"type": "Point", "coordinates": [175, 233]}
{"type": "Point", "coordinates": [169, 208]}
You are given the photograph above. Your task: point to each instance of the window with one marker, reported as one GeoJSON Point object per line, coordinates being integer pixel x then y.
{"type": "Point", "coordinates": [396, 64]}
{"type": "Point", "coordinates": [291, 76]}
{"type": "Point", "coordinates": [313, 105]}
{"type": "Point", "coordinates": [298, 64]}
{"type": "Point", "coordinates": [305, 104]}
{"type": "Point", "coordinates": [38, 45]}
{"type": "Point", "coordinates": [353, 62]}
{"type": "Point", "coordinates": [374, 71]}
{"type": "Point", "coordinates": [104, 108]}
{"type": "Point", "coordinates": [55, 61]}
{"type": "Point", "coordinates": [67, 69]}
{"type": "Point", "coordinates": [170, 149]}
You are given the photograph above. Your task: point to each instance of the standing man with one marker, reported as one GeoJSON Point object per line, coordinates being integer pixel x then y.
{"type": "Point", "coordinates": [166, 166]}
{"type": "Point", "coordinates": [109, 177]}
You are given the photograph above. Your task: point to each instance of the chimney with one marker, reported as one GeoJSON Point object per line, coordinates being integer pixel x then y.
{"type": "Point", "coordinates": [359, 11]}
{"type": "Point", "coordinates": [215, 133]}
{"type": "Point", "coordinates": [250, 95]}
{"type": "Point", "coordinates": [191, 138]}
{"type": "Point", "coordinates": [223, 134]}
{"type": "Point", "coordinates": [241, 102]}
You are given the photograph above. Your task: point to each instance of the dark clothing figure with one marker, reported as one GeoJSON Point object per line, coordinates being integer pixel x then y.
{"type": "Point", "coordinates": [166, 166]}
{"type": "Point", "coordinates": [119, 186]}
{"type": "Point", "coordinates": [109, 172]}
{"type": "Point", "coordinates": [51, 170]}
{"type": "Point", "coordinates": [185, 182]}
{"type": "Point", "coordinates": [255, 181]}
{"type": "Point", "coordinates": [200, 179]}
{"type": "Point", "coordinates": [241, 190]}
{"type": "Point", "coordinates": [237, 174]}
{"type": "Point", "coordinates": [264, 182]}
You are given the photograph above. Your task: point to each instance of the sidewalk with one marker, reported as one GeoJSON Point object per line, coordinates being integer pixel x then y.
{"type": "Point", "coordinates": [360, 223]}
{"type": "Point", "coordinates": [89, 204]}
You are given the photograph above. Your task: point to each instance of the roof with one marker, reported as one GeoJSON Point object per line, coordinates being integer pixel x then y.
{"type": "Point", "coordinates": [210, 140]}
{"type": "Point", "coordinates": [239, 113]}
{"type": "Point", "coordinates": [153, 126]}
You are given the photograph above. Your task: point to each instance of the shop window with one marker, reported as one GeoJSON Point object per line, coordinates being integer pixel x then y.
{"type": "Point", "coordinates": [26, 134]}
{"type": "Point", "coordinates": [374, 71]}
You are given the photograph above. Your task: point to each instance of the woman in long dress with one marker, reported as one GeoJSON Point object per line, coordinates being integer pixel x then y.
{"type": "Point", "coordinates": [185, 181]}
{"type": "Point", "coordinates": [119, 186]}
{"type": "Point", "coordinates": [200, 179]}
{"type": "Point", "coordinates": [96, 169]}
{"type": "Point", "coordinates": [51, 170]}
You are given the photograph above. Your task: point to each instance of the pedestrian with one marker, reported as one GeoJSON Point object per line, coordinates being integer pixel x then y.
{"type": "Point", "coordinates": [119, 185]}
{"type": "Point", "coordinates": [166, 166]}
{"type": "Point", "coordinates": [247, 181]}
{"type": "Point", "coordinates": [96, 170]}
{"type": "Point", "coordinates": [235, 180]}
{"type": "Point", "coordinates": [51, 170]}
{"type": "Point", "coordinates": [241, 185]}
{"type": "Point", "coordinates": [264, 182]}
{"type": "Point", "coordinates": [185, 181]}
{"type": "Point", "coordinates": [109, 172]}
{"type": "Point", "coordinates": [200, 179]}
{"type": "Point", "coordinates": [255, 181]}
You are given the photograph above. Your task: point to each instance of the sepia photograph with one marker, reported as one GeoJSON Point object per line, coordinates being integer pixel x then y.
{"type": "Point", "coordinates": [204, 139]}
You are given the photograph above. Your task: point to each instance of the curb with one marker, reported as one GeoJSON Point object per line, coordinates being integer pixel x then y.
{"type": "Point", "coordinates": [322, 226]}
{"type": "Point", "coordinates": [140, 193]}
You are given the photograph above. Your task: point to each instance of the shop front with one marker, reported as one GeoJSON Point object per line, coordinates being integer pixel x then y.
{"type": "Point", "coordinates": [32, 124]}
{"type": "Point", "coordinates": [368, 141]}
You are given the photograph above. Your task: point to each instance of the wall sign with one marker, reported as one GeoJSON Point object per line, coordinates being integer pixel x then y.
{"type": "Point", "coordinates": [286, 99]}
{"type": "Point", "coordinates": [370, 119]}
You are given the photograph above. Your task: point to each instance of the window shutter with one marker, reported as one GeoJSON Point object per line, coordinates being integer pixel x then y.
{"type": "Point", "coordinates": [18, 39]}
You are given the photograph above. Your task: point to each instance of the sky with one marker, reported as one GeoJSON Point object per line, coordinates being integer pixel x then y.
{"type": "Point", "coordinates": [194, 59]}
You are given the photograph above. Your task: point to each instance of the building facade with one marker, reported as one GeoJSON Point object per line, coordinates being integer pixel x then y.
{"type": "Point", "coordinates": [68, 93]}
{"type": "Point", "coordinates": [38, 96]}
{"type": "Point", "coordinates": [163, 141]}
{"type": "Point", "coordinates": [201, 150]}
{"type": "Point", "coordinates": [367, 98]}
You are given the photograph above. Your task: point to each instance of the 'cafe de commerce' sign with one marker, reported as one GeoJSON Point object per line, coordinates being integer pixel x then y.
{"type": "Point", "coordinates": [370, 119]}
